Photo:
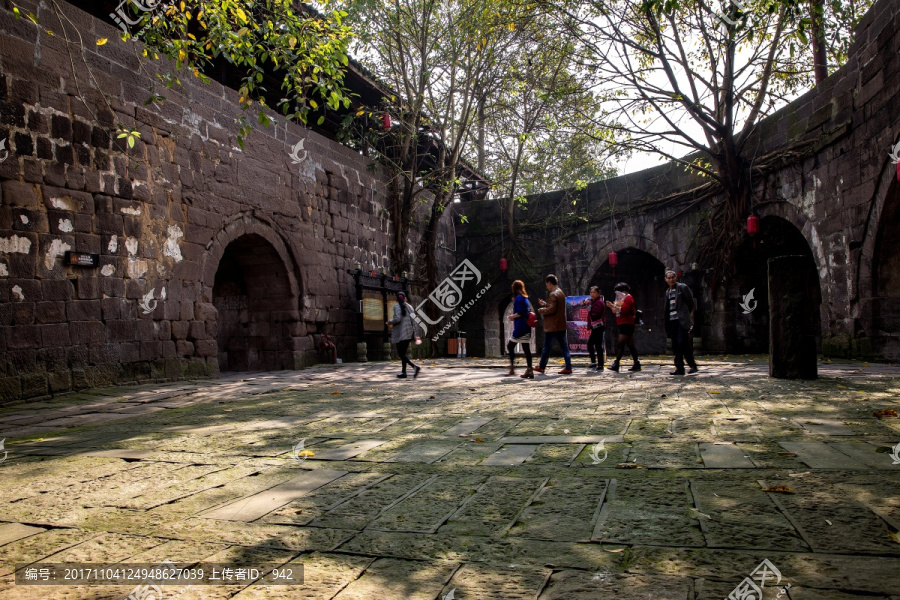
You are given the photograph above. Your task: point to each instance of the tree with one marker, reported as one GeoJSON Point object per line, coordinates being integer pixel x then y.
{"type": "Point", "coordinates": [262, 41]}
{"type": "Point", "coordinates": [540, 132]}
{"type": "Point", "coordinates": [442, 58]}
{"type": "Point", "coordinates": [690, 81]}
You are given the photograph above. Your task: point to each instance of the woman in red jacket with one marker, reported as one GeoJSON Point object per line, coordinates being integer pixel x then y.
{"type": "Point", "coordinates": [625, 312]}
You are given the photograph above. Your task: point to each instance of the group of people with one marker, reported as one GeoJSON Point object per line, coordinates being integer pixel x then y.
{"type": "Point", "coordinates": [678, 307]}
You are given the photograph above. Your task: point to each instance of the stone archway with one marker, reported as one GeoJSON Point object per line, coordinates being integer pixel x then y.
{"type": "Point", "coordinates": [877, 275]}
{"type": "Point", "coordinates": [749, 331]}
{"type": "Point", "coordinates": [601, 257]}
{"type": "Point", "coordinates": [250, 277]}
{"type": "Point", "coordinates": [885, 272]}
{"type": "Point", "coordinates": [253, 297]}
{"type": "Point", "coordinates": [644, 273]}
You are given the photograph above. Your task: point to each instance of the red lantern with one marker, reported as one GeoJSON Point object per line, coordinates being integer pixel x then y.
{"type": "Point", "coordinates": [503, 265]}
{"type": "Point", "coordinates": [613, 261]}
{"type": "Point", "coordinates": [386, 121]}
{"type": "Point", "coordinates": [753, 227]}
{"type": "Point", "coordinates": [752, 224]}
{"type": "Point", "coordinates": [898, 170]}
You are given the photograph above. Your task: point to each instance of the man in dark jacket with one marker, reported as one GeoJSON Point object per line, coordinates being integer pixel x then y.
{"type": "Point", "coordinates": [679, 310]}
{"type": "Point", "coordinates": [554, 313]}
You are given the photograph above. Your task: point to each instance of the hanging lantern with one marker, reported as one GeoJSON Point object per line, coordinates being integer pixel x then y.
{"type": "Point", "coordinates": [752, 224]}
{"type": "Point", "coordinates": [386, 121]}
{"type": "Point", "coordinates": [613, 261]}
{"type": "Point", "coordinates": [679, 273]}
{"type": "Point", "coordinates": [504, 265]}
{"type": "Point", "coordinates": [898, 170]}
{"type": "Point", "coordinates": [753, 228]}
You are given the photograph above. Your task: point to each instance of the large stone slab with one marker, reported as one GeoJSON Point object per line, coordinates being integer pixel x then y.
{"type": "Point", "coordinates": [819, 455]}
{"type": "Point", "coordinates": [468, 426]}
{"type": "Point", "coordinates": [513, 454]}
{"type": "Point", "coordinates": [10, 532]}
{"type": "Point", "coordinates": [824, 426]}
{"type": "Point", "coordinates": [560, 439]}
{"type": "Point", "coordinates": [257, 505]}
{"type": "Point", "coordinates": [724, 456]}
{"type": "Point", "coordinates": [424, 452]}
{"type": "Point", "coordinates": [866, 454]}
{"type": "Point", "coordinates": [348, 451]}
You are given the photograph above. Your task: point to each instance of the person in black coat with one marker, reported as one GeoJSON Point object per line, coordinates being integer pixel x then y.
{"type": "Point", "coordinates": [679, 310]}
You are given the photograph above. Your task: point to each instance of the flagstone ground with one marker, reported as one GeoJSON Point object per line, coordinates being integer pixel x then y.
{"type": "Point", "coordinates": [466, 484]}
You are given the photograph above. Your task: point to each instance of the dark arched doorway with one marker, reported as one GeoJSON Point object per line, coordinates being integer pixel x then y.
{"type": "Point", "coordinates": [252, 294]}
{"type": "Point", "coordinates": [645, 275]}
{"type": "Point", "coordinates": [749, 331]}
{"type": "Point", "coordinates": [886, 279]}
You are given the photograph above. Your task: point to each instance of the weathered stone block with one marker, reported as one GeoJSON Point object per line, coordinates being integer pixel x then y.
{"type": "Point", "coordinates": [83, 310]}
{"type": "Point", "coordinates": [55, 335]}
{"type": "Point", "coordinates": [16, 193]}
{"type": "Point", "coordinates": [50, 312]}
{"type": "Point", "coordinates": [34, 384]}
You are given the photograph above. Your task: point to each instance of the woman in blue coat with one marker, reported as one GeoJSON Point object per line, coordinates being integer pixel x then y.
{"type": "Point", "coordinates": [521, 331]}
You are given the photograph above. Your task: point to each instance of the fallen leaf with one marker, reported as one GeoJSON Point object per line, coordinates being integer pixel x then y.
{"type": "Point", "coordinates": [715, 392]}
{"type": "Point", "coordinates": [887, 412]}
{"type": "Point", "coordinates": [431, 397]}
{"type": "Point", "coordinates": [102, 41]}
{"type": "Point", "coordinates": [787, 454]}
{"type": "Point", "coordinates": [477, 440]}
{"type": "Point", "coordinates": [305, 453]}
{"type": "Point", "coordinates": [227, 410]}
{"type": "Point", "coordinates": [782, 489]}
{"type": "Point", "coordinates": [335, 393]}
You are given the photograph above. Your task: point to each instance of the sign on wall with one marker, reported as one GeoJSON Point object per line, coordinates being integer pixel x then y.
{"type": "Point", "coordinates": [373, 311]}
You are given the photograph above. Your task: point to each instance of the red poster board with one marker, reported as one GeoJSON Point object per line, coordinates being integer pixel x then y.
{"type": "Point", "coordinates": [577, 326]}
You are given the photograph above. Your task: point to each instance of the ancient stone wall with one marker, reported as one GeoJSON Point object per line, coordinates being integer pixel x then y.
{"type": "Point", "coordinates": [207, 253]}
{"type": "Point", "coordinates": [837, 188]}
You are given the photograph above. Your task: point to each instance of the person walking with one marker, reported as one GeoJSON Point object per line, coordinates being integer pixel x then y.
{"type": "Point", "coordinates": [679, 310]}
{"type": "Point", "coordinates": [554, 312]}
{"type": "Point", "coordinates": [625, 312]}
{"type": "Point", "coordinates": [521, 333]}
{"type": "Point", "coordinates": [403, 332]}
{"type": "Point", "coordinates": [597, 326]}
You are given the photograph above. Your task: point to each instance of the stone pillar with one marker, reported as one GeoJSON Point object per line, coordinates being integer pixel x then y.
{"type": "Point", "coordinates": [792, 325]}
{"type": "Point", "coordinates": [361, 352]}
{"type": "Point", "coordinates": [387, 351]}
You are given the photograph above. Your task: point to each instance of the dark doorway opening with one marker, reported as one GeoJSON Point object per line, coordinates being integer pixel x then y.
{"type": "Point", "coordinates": [749, 331]}
{"type": "Point", "coordinates": [253, 296]}
{"type": "Point", "coordinates": [646, 277]}
{"type": "Point", "coordinates": [886, 275]}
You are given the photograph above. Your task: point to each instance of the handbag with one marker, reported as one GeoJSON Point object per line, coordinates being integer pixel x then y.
{"type": "Point", "coordinates": [532, 317]}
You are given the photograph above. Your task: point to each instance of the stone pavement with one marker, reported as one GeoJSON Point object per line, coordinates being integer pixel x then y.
{"type": "Point", "coordinates": [465, 484]}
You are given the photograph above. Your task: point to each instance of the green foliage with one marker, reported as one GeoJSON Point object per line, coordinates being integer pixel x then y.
{"type": "Point", "coordinates": [303, 52]}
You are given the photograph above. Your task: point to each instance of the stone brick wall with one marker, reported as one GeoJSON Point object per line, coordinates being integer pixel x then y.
{"type": "Point", "coordinates": [840, 193]}
{"type": "Point", "coordinates": [164, 216]}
